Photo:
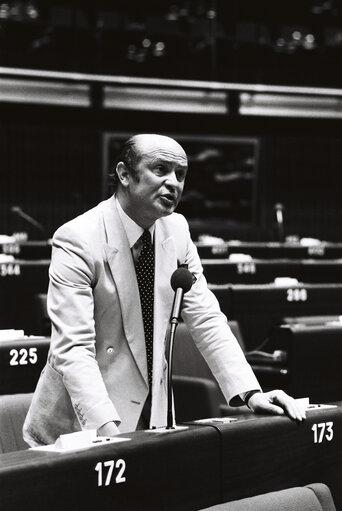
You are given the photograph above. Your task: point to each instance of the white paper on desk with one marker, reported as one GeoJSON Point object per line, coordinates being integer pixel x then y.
{"type": "Point", "coordinates": [210, 240]}
{"type": "Point", "coordinates": [285, 282]}
{"type": "Point", "coordinates": [319, 407]}
{"type": "Point", "coordinates": [18, 335]}
{"type": "Point", "coordinates": [11, 334]}
{"type": "Point", "coordinates": [305, 402]}
{"type": "Point", "coordinates": [217, 420]}
{"type": "Point", "coordinates": [240, 258]}
{"type": "Point", "coordinates": [310, 242]}
{"type": "Point", "coordinates": [6, 258]}
{"type": "Point", "coordinates": [5, 239]}
{"type": "Point", "coordinates": [79, 440]}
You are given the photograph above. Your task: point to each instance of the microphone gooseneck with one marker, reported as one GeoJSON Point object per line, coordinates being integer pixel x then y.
{"type": "Point", "coordinates": [18, 211]}
{"type": "Point", "coordinates": [181, 282]}
{"type": "Point", "coordinates": [279, 208]}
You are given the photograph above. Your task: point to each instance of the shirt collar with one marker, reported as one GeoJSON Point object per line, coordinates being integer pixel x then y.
{"type": "Point", "coordinates": [132, 229]}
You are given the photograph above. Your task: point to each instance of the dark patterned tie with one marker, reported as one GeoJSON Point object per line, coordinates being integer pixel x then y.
{"type": "Point", "coordinates": [145, 276]}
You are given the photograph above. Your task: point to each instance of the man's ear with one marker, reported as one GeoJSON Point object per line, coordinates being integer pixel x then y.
{"type": "Point", "coordinates": [123, 174]}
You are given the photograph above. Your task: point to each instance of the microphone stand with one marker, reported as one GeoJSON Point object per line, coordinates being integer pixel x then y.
{"type": "Point", "coordinates": [181, 282]}
{"type": "Point", "coordinates": [174, 323]}
{"type": "Point", "coordinates": [278, 208]}
{"type": "Point", "coordinates": [18, 211]}
{"type": "Point", "coordinates": [170, 426]}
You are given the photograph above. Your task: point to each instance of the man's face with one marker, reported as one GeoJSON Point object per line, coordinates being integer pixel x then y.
{"type": "Point", "coordinates": [157, 188]}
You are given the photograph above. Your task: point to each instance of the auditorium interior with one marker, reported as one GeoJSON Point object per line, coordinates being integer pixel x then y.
{"type": "Point", "coordinates": [252, 90]}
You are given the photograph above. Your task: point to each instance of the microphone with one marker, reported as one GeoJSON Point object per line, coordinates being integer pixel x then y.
{"type": "Point", "coordinates": [18, 211]}
{"type": "Point", "coordinates": [181, 282]}
{"type": "Point", "coordinates": [279, 208]}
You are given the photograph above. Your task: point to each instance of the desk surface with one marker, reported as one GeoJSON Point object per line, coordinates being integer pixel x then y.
{"type": "Point", "coordinates": [269, 297]}
{"type": "Point", "coordinates": [183, 470]}
{"type": "Point", "coordinates": [153, 471]}
{"type": "Point", "coordinates": [267, 454]}
{"type": "Point", "coordinates": [42, 249]}
{"type": "Point", "coordinates": [259, 271]}
{"type": "Point", "coordinates": [269, 249]}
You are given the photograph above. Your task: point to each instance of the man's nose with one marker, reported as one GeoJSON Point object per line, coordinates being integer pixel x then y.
{"type": "Point", "coordinates": [171, 180]}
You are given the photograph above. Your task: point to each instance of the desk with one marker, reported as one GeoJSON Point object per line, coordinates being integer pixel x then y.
{"type": "Point", "coordinates": [261, 454]}
{"type": "Point", "coordinates": [21, 362]}
{"type": "Point", "coordinates": [184, 470]}
{"type": "Point", "coordinates": [270, 250]}
{"type": "Point", "coordinates": [314, 354]}
{"type": "Point", "coordinates": [259, 307]}
{"type": "Point", "coordinates": [173, 471]}
{"type": "Point", "coordinates": [20, 281]}
{"type": "Point", "coordinates": [28, 249]}
{"type": "Point", "coordinates": [261, 271]}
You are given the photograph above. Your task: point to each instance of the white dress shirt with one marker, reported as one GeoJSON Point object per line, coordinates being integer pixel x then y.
{"type": "Point", "coordinates": [133, 231]}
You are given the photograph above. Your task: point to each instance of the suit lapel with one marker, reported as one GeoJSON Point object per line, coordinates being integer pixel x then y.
{"type": "Point", "coordinates": [123, 271]}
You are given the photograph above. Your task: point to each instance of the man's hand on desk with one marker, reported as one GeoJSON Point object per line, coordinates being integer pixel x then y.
{"type": "Point", "coordinates": [276, 402]}
{"type": "Point", "coordinates": [109, 429]}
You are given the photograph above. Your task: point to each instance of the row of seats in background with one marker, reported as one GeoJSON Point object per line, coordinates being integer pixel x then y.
{"type": "Point", "coordinates": [289, 328]}
{"type": "Point", "coordinates": [299, 358]}
{"type": "Point", "coordinates": [254, 310]}
{"type": "Point", "coordinates": [286, 299]}
{"type": "Point", "coordinates": [197, 395]}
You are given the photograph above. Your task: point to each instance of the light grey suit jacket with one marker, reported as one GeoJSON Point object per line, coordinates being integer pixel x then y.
{"type": "Point", "coordinates": [97, 370]}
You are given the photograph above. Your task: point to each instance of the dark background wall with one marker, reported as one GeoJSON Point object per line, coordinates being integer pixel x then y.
{"type": "Point", "coordinates": [51, 157]}
{"type": "Point", "coordinates": [303, 171]}
{"type": "Point", "coordinates": [51, 166]}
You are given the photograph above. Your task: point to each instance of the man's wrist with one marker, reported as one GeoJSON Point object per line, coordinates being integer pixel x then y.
{"type": "Point", "coordinates": [108, 429]}
{"type": "Point", "coordinates": [249, 394]}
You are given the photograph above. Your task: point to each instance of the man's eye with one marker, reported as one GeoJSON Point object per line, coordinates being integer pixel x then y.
{"type": "Point", "coordinates": [180, 175]}
{"type": "Point", "coordinates": [160, 169]}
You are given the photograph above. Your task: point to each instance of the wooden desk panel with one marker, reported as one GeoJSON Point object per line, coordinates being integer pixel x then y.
{"type": "Point", "coordinates": [20, 281]}
{"type": "Point", "coordinates": [21, 362]}
{"type": "Point", "coordinates": [28, 250]}
{"type": "Point", "coordinates": [314, 354]}
{"type": "Point", "coordinates": [263, 271]}
{"type": "Point", "coordinates": [266, 454]}
{"type": "Point", "coordinates": [184, 470]}
{"type": "Point", "coordinates": [260, 307]}
{"type": "Point", "coordinates": [178, 470]}
{"type": "Point", "coordinates": [270, 250]}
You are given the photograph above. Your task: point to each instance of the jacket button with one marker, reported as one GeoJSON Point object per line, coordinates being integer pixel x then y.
{"type": "Point", "coordinates": [110, 350]}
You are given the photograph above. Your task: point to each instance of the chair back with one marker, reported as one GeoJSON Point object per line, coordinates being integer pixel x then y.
{"type": "Point", "coordinates": [13, 410]}
{"type": "Point", "coordinates": [313, 497]}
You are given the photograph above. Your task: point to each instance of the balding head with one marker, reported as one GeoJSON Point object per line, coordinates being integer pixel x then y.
{"type": "Point", "coordinates": [147, 142]}
{"type": "Point", "coordinates": [151, 174]}
{"type": "Point", "coordinates": [136, 146]}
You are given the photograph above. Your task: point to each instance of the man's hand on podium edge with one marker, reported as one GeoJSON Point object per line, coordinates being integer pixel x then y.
{"type": "Point", "coordinates": [276, 402]}
{"type": "Point", "coordinates": [108, 429]}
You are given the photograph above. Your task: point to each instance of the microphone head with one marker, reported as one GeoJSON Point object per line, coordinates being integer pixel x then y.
{"type": "Point", "coordinates": [278, 206]}
{"type": "Point", "coordinates": [181, 278]}
{"type": "Point", "coordinates": [16, 209]}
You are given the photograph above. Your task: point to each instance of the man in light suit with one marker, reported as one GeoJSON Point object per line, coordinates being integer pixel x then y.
{"type": "Point", "coordinates": [96, 376]}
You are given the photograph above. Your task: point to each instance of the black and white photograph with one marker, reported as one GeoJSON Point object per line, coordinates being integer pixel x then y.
{"type": "Point", "coordinates": [171, 255]}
